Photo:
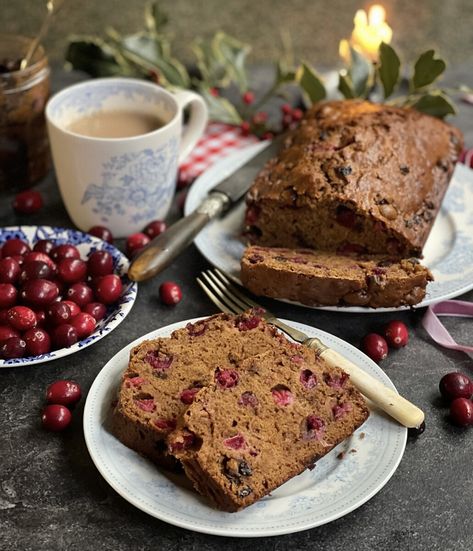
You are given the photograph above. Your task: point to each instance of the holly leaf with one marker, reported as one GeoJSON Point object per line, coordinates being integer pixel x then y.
{"type": "Point", "coordinates": [389, 65]}
{"type": "Point", "coordinates": [155, 18]}
{"type": "Point", "coordinates": [435, 104]}
{"type": "Point", "coordinates": [345, 86]}
{"type": "Point", "coordinates": [360, 70]}
{"type": "Point", "coordinates": [233, 53]}
{"type": "Point", "coordinates": [311, 83]}
{"type": "Point", "coordinates": [427, 69]}
{"type": "Point", "coordinates": [220, 109]}
{"type": "Point", "coordinates": [283, 73]}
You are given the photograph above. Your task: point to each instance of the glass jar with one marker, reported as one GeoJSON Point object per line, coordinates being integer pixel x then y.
{"type": "Point", "coordinates": [24, 149]}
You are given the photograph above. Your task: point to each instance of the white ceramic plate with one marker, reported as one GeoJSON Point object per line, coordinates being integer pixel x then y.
{"type": "Point", "coordinates": [333, 489]}
{"type": "Point", "coordinates": [448, 251]}
{"type": "Point", "coordinates": [86, 244]}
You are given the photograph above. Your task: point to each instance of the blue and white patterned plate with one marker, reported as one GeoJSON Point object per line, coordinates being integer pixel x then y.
{"type": "Point", "coordinates": [448, 251]}
{"type": "Point", "coordinates": [335, 487]}
{"type": "Point", "coordinates": [86, 244]}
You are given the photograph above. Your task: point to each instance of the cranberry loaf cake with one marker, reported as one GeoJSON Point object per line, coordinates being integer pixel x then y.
{"type": "Point", "coordinates": [319, 278]}
{"type": "Point", "coordinates": [164, 375]}
{"type": "Point", "coordinates": [282, 411]}
{"type": "Point", "coordinates": [355, 177]}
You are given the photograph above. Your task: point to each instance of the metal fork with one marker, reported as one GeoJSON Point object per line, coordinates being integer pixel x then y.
{"type": "Point", "coordinates": [224, 294]}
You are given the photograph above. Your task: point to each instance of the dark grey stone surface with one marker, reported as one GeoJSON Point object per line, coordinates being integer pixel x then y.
{"type": "Point", "coordinates": [53, 498]}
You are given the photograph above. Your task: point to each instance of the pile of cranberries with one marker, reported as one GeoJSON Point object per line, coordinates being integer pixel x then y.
{"type": "Point", "coordinates": [457, 390]}
{"type": "Point", "coordinates": [50, 298]}
{"type": "Point", "coordinates": [61, 396]}
{"type": "Point", "coordinates": [376, 346]}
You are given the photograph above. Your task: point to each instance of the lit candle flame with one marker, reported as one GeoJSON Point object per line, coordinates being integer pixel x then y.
{"type": "Point", "coordinates": [369, 31]}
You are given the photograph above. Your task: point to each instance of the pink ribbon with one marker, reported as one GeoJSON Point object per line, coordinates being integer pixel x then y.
{"type": "Point", "coordinates": [434, 326]}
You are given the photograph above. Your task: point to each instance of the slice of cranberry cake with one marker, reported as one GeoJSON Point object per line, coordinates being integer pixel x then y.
{"type": "Point", "coordinates": [271, 417]}
{"type": "Point", "coordinates": [329, 279]}
{"type": "Point", "coordinates": [164, 376]}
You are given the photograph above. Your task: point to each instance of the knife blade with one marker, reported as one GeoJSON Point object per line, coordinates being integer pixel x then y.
{"type": "Point", "coordinates": [164, 248]}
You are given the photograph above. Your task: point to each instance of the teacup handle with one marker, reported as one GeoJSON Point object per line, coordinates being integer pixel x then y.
{"type": "Point", "coordinates": [197, 123]}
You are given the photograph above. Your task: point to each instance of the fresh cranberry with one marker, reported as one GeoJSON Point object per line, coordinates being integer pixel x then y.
{"type": "Point", "coordinates": [43, 246]}
{"type": "Point", "coordinates": [64, 335]}
{"type": "Point", "coordinates": [64, 251]}
{"type": "Point", "coordinates": [14, 347]}
{"type": "Point", "coordinates": [28, 202]}
{"type": "Point", "coordinates": [455, 385]}
{"type": "Point", "coordinates": [135, 242]}
{"type": "Point", "coordinates": [345, 216]}
{"type": "Point", "coordinates": [36, 256]}
{"type": "Point", "coordinates": [109, 289]}
{"type": "Point", "coordinates": [102, 233]}
{"type": "Point", "coordinates": [71, 270]}
{"type": "Point", "coordinates": [226, 378]}
{"type": "Point", "coordinates": [14, 247]}
{"type": "Point", "coordinates": [56, 417]}
{"type": "Point", "coordinates": [187, 396]}
{"type": "Point", "coordinates": [40, 317]}
{"type": "Point", "coordinates": [96, 309]}
{"type": "Point", "coordinates": [170, 293]}
{"type": "Point", "coordinates": [39, 292]}
{"type": "Point", "coordinates": [282, 396]}
{"type": "Point", "coordinates": [155, 228]}
{"type": "Point", "coordinates": [375, 347]}
{"type": "Point", "coordinates": [37, 341]}
{"type": "Point", "coordinates": [58, 313]}
{"type": "Point", "coordinates": [84, 324]}
{"type": "Point", "coordinates": [80, 293]}
{"type": "Point", "coordinates": [7, 332]}
{"type": "Point", "coordinates": [461, 412]}
{"type": "Point", "coordinates": [8, 294]}
{"type": "Point", "coordinates": [73, 307]}
{"type": "Point", "coordinates": [9, 270]}
{"type": "Point", "coordinates": [100, 263]}
{"type": "Point", "coordinates": [63, 392]}
{"type": "Point", "coordinates": [308, 378]}
{"type": "Point", "coordinates": [396, 334]}
{"type": "Point", "coordinates": [21, 318]}
{"type": "Point", "coordinates": [35, 270]}
{"type": "Point", "coordinates": [248, 97]}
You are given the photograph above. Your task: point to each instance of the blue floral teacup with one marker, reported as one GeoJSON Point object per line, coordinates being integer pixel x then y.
{"type": "Point", "coordinates": [122, 183]}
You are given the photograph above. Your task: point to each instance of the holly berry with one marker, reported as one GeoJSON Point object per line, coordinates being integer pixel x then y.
{"type": "Point", "coordinates": [28, 202]}
{"type": "Point", "coordinates": [297, 114]}
{"type": "Point", "coordinates": [170, 293]}
{"type": "Point", "coordinates": [396, 334]}
{"type": "Point", "coordinates": [214, 92]}
{"type": "Point", "coordinates": [260, 118]}
{"type": "Point", "coordinates": [248, 97]}
{"type": "Point", "coordinates": [245, 128]}
{"type": "Point", "coordinates": [56, 417]}
{"type": "Point", "coordinates": [455, 385]}
{"type": "Point", "coordinates": [461, 412]}
{"type": "Point", "coordinates": [286, 109]}
{"type": "Point", "coordinates": [375, 347]}
{"type": "Point", "coordinates": [63, 392]}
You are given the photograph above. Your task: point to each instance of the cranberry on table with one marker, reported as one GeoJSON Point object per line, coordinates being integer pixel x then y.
{"type": "Point", "coordinates": [64, 335]}
{"type": "Point", "coordinates": [461, 412]}
{"type": "Point", "coordinates": [96, 309]}
{"type": "Point", "coordinates": [109, 289]}
{"type": "Point", "coordinates": [8, 295]}
{"type": "Point", "coordinates": [35, 270]}
{"type": "Point", "coordinates": [375, 347]}
{"type": "Point", "coordinates": [6, 332]}
{"type": "Point", "coordinates": [9, 270]}
{"type": "Point", "coordinates": [14, 247]}
{"type": "Point", "coordinates": [14, 347]}
{"type": "Point", "coordinates": [72, 307]}
{"type": "Point", "coordinates": [135, 242]}
{"type": "Point", "coordinates": [80, 293]}
{"type": "Point", "coordinates": [170, 293]}
{"type": "Point", "coordinates": [63, 392]}
{"type": "Point", "coordinates": [71, 270]}
{"type": "Point", "coordinates": [64, 251]}
{"type": "Point", "coordinates": [84, 324]}
{"type": "Point", "coordinates": [102, 233]}
{"type": "Point", "coordinates": [39, 292]}
{"type": "Point", "coordinates": [56, 417]}
{"type": "Point", "coordinates": [100, 263]}
{"type": "Point", "coordinates": [58, 312]}
{"type": "Point", "coordinates": [44, 246]}
{"type": "Point", "coordinates": [155, 228]}
{"type": "Point", "coordinates": [396, 334]}
{"type": "Point", "coordinates": [455, 385]}
{"type": "Point", "coordinates": [28, 202]}
{"type": "Point", "coordinates": [21, 318]}
{"type": "Point", "coordinates": [37, 341]}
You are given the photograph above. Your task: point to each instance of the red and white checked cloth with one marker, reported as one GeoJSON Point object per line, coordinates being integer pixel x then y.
{"type": "Point", "coordinates": [218, 141]}
{"type": "Point", "coordinates": [222, 139]}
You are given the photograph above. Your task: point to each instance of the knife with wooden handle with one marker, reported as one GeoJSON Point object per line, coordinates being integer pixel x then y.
{"type": "Point", "coordinates": [164, 248]}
